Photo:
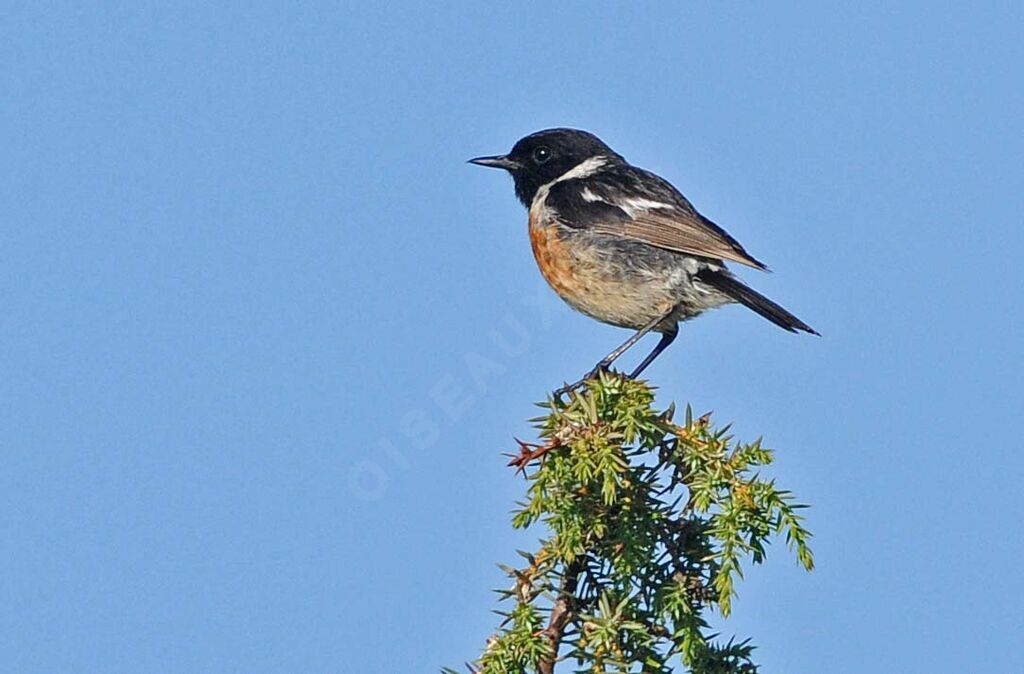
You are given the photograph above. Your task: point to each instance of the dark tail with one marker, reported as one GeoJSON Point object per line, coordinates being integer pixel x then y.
{"type": "Point", "coordinates": [734, 288]}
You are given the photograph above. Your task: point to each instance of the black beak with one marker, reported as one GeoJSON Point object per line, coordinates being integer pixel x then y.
{"type": "Point", "coordinates": [498, 161]}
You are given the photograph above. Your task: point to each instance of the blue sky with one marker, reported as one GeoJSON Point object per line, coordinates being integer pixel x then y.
{"type": "Point", "coordinates": [265, 334]}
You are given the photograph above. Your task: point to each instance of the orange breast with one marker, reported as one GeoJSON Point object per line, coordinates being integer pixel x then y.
{"type": "Point", "coordinates": [554, 259]}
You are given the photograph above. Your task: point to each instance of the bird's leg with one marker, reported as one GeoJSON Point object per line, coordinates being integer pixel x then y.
{"type": "Point", "coordinates": [666, 339]}
{"type": "Point", "coordinates": [606, 362]}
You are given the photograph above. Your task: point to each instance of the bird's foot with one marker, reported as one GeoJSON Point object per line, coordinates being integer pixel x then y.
{"type": "Point", "coordinates": [601, 367]}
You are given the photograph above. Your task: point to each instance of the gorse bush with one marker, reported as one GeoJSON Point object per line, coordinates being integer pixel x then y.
{"type": "Point", "coordinates": [649, 524]}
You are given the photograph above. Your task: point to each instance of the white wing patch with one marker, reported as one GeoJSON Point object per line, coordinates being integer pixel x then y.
{"type": "Point", "coordinates": [631, 206]}
{"type": "Point", "coordinates": [639, 205]}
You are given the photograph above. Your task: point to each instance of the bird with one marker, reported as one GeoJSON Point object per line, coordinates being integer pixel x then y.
{"type": "Point", "coordinates": [623, 245]}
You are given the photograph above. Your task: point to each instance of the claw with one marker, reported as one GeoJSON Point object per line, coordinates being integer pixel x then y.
{"type": "Point", "coordinates": [566, 390]}
{"type": "Point", "coordinates": [593, 374]}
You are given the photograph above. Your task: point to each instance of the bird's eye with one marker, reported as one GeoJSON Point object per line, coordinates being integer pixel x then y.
{"type": "Point", "coordinates": [541, 155]}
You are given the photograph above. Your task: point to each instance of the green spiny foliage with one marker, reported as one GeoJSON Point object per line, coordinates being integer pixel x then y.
{"type": "Point", "coordinates": [650, 523]}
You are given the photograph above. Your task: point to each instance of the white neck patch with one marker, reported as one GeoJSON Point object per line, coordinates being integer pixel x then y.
{"type": "Point", "coordinates": [585, 168]}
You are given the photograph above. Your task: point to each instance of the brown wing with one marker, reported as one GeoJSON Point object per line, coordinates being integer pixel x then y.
{"type": "Point", "coordinates": [674, 229]}
{"type": "Point", "coordinates": [626, 201]}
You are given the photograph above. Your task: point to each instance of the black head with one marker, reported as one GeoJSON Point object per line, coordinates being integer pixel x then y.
{"type": "Point", "coordinates": [546, 155]}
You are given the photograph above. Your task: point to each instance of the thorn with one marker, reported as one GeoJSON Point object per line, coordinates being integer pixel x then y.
{"type": "Point", "coordinates": [528, 452]}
